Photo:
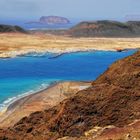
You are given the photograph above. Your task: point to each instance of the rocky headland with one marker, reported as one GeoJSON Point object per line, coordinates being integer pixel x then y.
{"type": "Point", "coordinates": [109, 109]}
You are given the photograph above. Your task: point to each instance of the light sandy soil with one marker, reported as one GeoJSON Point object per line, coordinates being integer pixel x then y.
{"type": "Point", "coordinates": [40, 101]}
{"type": "Point", "coordinates": [12, 45]}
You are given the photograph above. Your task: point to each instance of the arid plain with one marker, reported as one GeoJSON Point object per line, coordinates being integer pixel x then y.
{"type": "Point", "coordinates": [14, 44]}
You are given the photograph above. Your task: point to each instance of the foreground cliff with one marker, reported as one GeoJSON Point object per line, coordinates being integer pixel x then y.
{"type": "Point", "coordinates": [106, 28]}
{"type": "Point", "coordinates": [106, 109]}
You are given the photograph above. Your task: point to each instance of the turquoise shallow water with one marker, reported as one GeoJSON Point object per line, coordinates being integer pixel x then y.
{"type": "Point", "coordinates": [27, 74]}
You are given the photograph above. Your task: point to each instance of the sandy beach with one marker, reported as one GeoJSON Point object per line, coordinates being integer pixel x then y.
{"type": "Point", "coordinates": [12, 45]}
{"type": "Point", "coordinates": [45, 99]}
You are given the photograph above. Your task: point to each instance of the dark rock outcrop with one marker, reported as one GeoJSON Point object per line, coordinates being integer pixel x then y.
{"type": "Point", "coordinates": [106, 29]}
{"type": "Point", "coordinates": [11, 29]}
{"type": "Point", "coordinates": [113, 99]}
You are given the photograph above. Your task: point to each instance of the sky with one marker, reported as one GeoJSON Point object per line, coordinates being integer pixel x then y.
{"type": "Point", "coordinates": [74, 9]}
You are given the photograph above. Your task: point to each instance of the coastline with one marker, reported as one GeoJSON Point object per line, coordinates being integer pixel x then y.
{"type": "Point", "coordinates": [13, 45]}
{"type": "Point", "coordinates": [22, 101]}
{"type": "Point", "coordinates": [17, 99]}
{"type": "Point", "coordinates": [57, 52]}
{"type": "Point", "coordinates": [38, 101]}
{"type": "Point", "coordinates": [58, 45]}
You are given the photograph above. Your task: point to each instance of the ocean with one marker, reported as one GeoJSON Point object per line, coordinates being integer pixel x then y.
{"type": "Point", "coordinates": [37, 26]}
{"type": "Point", "coordinates": [28, 74]}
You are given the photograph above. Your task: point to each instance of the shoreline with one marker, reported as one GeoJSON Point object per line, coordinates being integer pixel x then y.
{"type": "Point", "coordinates": [11, 105]}
{"type": "Point", "coordinates": [8, 106]}
{"type": "Point", "coordinates": [54, 94]}
{"type": "Point", "coordinates": [18, 98]}
{"type": "Point", "coordinates": [51, 95]}
{"type": "Point", "coordinates": [58, 54]}
{"type": "Point", "coordinates": [17, 45]}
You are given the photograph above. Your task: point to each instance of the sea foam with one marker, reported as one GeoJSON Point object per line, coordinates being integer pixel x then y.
{"type": "Point", "coordinates": [11, 100]}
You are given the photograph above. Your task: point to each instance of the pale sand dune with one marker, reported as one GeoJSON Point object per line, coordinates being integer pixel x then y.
{"type": "Point", "coordinates": [39, 101]}
{"type": "Point", "coordinates": [12, 45]}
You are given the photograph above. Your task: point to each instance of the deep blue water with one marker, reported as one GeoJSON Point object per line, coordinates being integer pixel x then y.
{"type": "Point", "coordinates": [24, 75]}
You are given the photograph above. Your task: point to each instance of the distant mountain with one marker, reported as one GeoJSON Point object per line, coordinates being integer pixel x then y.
{"type": "Point", "coordinates": [106, 28]}
{"type": "Point", "coordinates": [51, 20]}
{"type": "Point", "coordinates": [10, 28]}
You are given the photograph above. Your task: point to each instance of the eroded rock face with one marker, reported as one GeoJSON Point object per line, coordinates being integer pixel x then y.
{"type": "Point", "coordinates": [113, 99]}
{"type": "Point", "coordinates": [106, 29]}
{"type": "Point", "coordinates": [129, 132]}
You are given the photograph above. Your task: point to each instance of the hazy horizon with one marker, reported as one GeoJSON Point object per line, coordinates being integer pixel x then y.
{"type": "Point", "coordinates": [28, 10]}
